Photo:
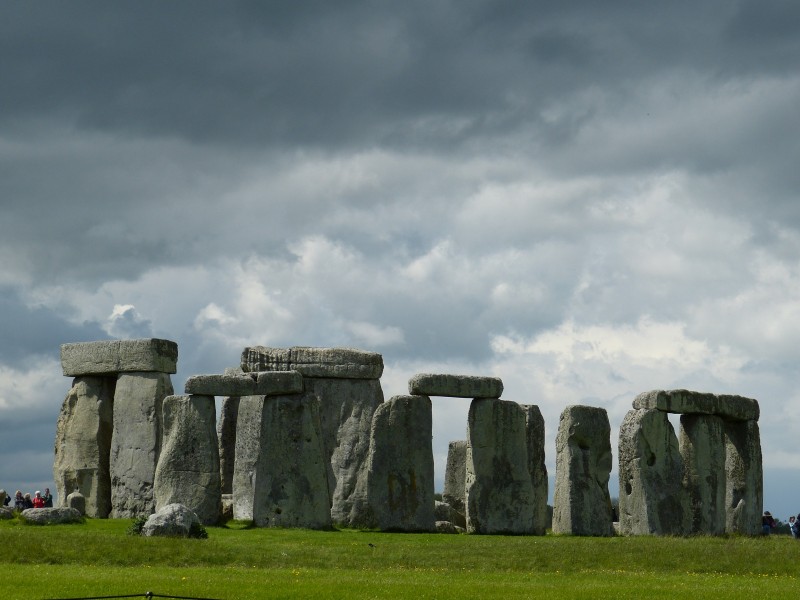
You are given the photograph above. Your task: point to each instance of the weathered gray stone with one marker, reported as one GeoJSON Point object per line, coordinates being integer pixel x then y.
{"type": "Point", "coordinates": [136, 441]}
{"type": "Point", "coordinates": [687, 402]}
{"type": "Point", "coordinates": [652, 499]}
{"type": "Point", "coordinates": [173, 520]}
{"type": "Point", "coordinates": [266, 383]}
{"type": "Point", "coordinates": [400, 468]}
{"type": "Point", "coordinates": [220, 385]}
{"type": "Point", "coordinates": [83, 443]}
{"type": "Point", "coordinates": [280, 477]}
{"type": "Point", "coordinates": [226, 512]}
{"type": "Point", "coordinates": [346, 410]}
{"type": "Point", "coordinates": [455, 386]}
{"type": "Point", "coordinates": [702, 445]}
{"type": "Point", "coordinates": [534, 431]}
{"type": "Point", "coordinates": [6, 513]}
{"type": "Point", "coordinates": [581, 502]}
{"type": "Point", "coordinates": [188, 465]}
{"type": "Point", "coordinates": [51, 516]}
{"type": "Point", "coordinates": [455, 476]}
{"type": "Point", "coordinates": [499, 490]}
{"type": "Point", "coordinates": [347, 363]}
{"type": "Point", "coordinates": [117, 356]}
{"type": "Point", "coordinates": [744, 487]}
{"type": "Point", "coordinates": [445, 527]}
{"type": "Point", "coordinates": [442, 511]}
{"type": "Point", "coordinates": [77, 501]}
{"type": "Point", "coordinates": [226, 439]}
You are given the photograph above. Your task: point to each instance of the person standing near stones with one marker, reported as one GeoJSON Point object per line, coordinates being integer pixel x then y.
{"type": "Point", "coordinates": [38, 501]}
{"type": "Point", "coordinates": [794, 527]}
{"type": "Point", "coordinates": [48, 498]}
{"type": "Point", "coordinates": [27, 502]}
{"type": "Point", "coordinates": [767, 523]}
{"type": "Point", "coordinates": [19, 501]}
{"type": "Point", "coordinates": [6, 497]}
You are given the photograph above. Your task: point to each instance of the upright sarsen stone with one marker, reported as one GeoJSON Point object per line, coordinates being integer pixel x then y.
{"type": "Point", "coordinates": [744, 487]}
{"type": "Point", "coordinates": [702, 445]}
{"type": "Point", "coordinates": [534, 432]}
{"type": "Point", "coordinates": [136, 441]}
{"type": "Point", "coordinates": [499, 489]}
{"type": "Point", "coordinates": [652, 499]}
{"type": "Point", "coordinates": [581, 502]}
{"type": "Point", "coordinates": [455, 476]}
{"type": "Point", "coordinates": [226, 439]}
{"type": "Point", "coordinates": [188, 466]}
{"type": "Point", "coordinates": [280, 478]}
{"type": "Point", "coordinates": [83, 444]}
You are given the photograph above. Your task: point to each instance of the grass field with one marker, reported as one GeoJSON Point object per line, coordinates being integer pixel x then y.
{"type": "Point", "coordinates": [98, 558]}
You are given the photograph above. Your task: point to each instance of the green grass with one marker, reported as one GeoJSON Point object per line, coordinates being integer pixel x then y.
{"type": "Point", "coordinates": [99, 559]}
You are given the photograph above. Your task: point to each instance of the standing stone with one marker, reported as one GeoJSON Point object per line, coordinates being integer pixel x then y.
{"type": "Point", "coordinates": [346, 410]}
{"type": "Point", "coordinates": [280, 478]}
{"type": "Point", "coordinates": [534, 433]}
{"type": "Point", "coordinates": [455, 476]}
{"type": "Point", "coordinates": [248, 457]}
{"type": "Point", "coordinates": [702, 445]}
{"type": "Point", "coordinates": [499, 489]}
{"type": "Point", "coordinates": [400, 485]}
{"type": "Point", "coordinates": [226, 436]}
{"type": "Point", "coordinates": [651, 497]}
{"type": "Point", "coordinates": [83, 443]}
{"type": "Point", "coordinates": [581, 502]}
{"type": "Point", "coordinates": [188, 466]}
{"type": "Point", "coordinates": [77, 501]}
{"type": "Point", "coordinates": [136, 441]}
{"type": "Point", "coordinates": [744, 487]}
{"type": "Point", "coordinates": [346, 381]}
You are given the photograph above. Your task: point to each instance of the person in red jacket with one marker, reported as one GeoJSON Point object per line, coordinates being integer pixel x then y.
{"type": "Point", "coordinates": [38, 501]}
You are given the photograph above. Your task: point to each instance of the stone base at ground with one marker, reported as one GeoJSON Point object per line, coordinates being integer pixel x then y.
{"type": "Point", "coordinates": [173, 520]}
{"type": "Point", "coordinates": [51, 516]}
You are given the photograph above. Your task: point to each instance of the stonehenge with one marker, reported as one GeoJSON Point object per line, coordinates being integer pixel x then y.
{"type": "Point", "coordinates": [707, 480]}
{"type": "Point", "coordinates": [302, 437]}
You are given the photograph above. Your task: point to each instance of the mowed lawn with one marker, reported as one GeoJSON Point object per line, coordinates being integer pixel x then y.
{"type": "Point", "coordinates": [98, 558]}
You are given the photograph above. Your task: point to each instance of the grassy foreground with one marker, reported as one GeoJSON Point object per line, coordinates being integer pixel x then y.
{"type": "Point", "coordinates": [98, 558]}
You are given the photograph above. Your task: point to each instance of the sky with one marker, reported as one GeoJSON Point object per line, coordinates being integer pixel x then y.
{"type": "Point", "coordinates": [588, 200]}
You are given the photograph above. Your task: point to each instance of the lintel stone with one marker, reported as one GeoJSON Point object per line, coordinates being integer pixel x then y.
{"type": "Point", "coordinates": [683, 402]}
{"type": "Point", "coordinates": [336, 363]}
{"type": "Point", "coordinates": [268, 383]}
{"type": "Point", "coordinates": [119, 356]}
{"type": "Point", "coordinates": [455, 386]}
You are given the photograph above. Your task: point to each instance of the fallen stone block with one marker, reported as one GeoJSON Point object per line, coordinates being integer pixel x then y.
{"type": "Point", "coordinates": [6, 513]}
{"type": "Point", "coordinates": [77, 501]}
{"type": "Point", "coordinates": [444, 512]}
{"type": "Point", "coordinates": [173, 520]}
{"type": "Point", "coordinates": [581, 502]}
{"type": "Point", "coordinates": [51, 516]}
{"type": "Point", "coordinates": [445, 527]}
{"type": "Point", "coordinates": [118, 356]}
{"type": "Point", "coordinates": [686, 402]}
{"type": "Point", "coordinates": [340, 363]}
{"type": "Point", "coordinates": [455, 386]}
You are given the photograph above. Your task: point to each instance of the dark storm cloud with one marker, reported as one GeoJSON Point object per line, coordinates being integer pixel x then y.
{"type": "Point", "coordinates": [356, 73]}
{"type": "Point", "coordinates": [28, 332]}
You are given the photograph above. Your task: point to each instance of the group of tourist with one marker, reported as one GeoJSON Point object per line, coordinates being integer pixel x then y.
{"type": "Point", "coordinates": [768, 523]}
{"type": "Point", "coordinates": [21, 502]}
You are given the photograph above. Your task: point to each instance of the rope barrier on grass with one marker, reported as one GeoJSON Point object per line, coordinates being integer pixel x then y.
{"type": "Point", "coordinates": [145, 595]}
